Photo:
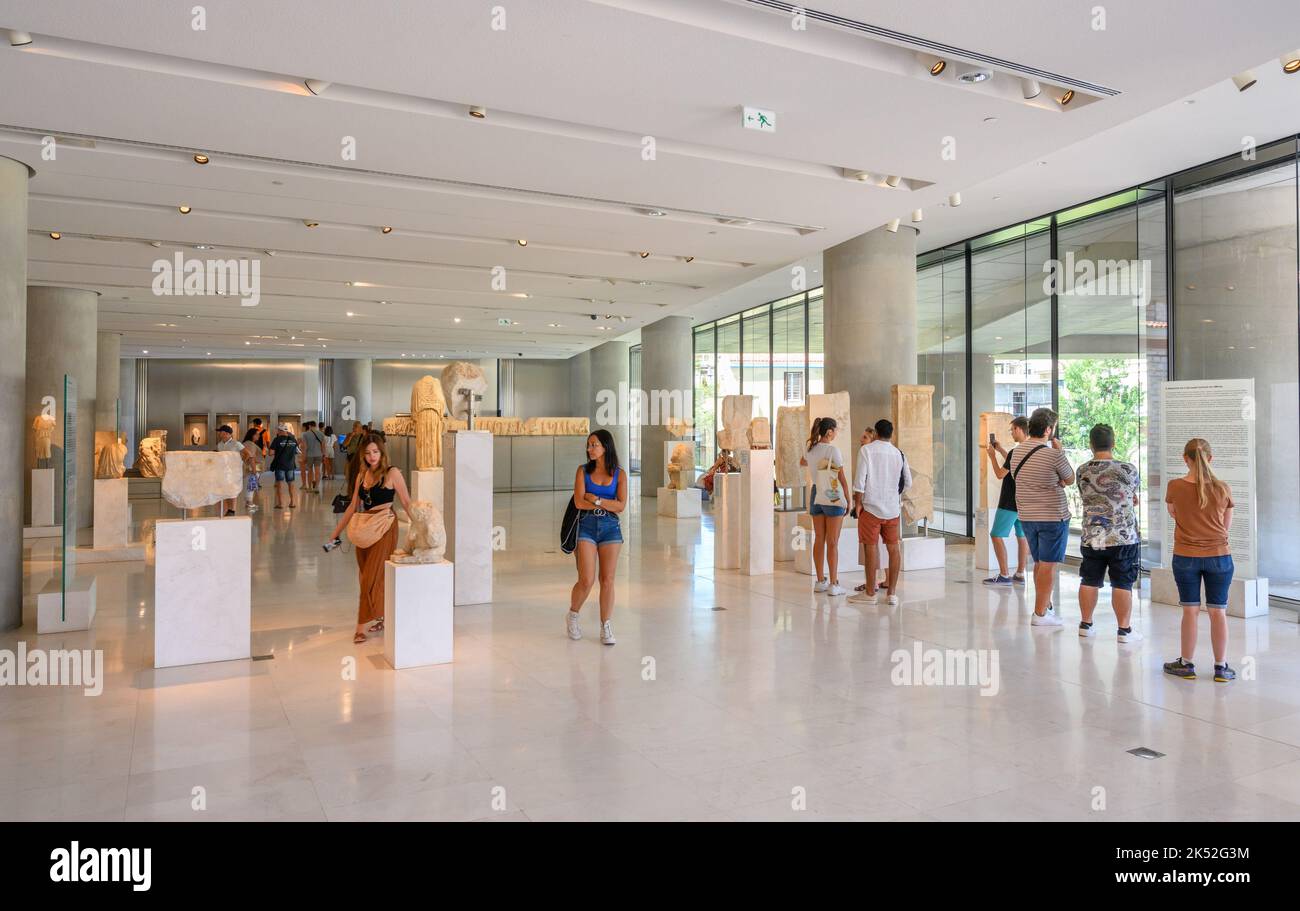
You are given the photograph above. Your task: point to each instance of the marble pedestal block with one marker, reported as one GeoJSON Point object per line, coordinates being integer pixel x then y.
{"type": "Point", "coordinates": [675, 533]}
{"type": "Point", "coordinates": [849, 550]}
{"type": "Point", "coordinates": [202, 598]}
{"type": "Point", "coordinates": [784, 524]}
{"type": "Point", "coordinates": [917, 554]}
{"type": "Point", "coordinates": [42, 497]}
{"type": "Point", "coordinates": [467, 461]}
{"type": "Point", "coordinates": [112, 514]}
{"type": "Point", "coordinates": [985, 557]}
{"type": "Point", "coordinates": [428, 485]}
{"type": "Point", "coordinates": [50, 614]}
{"type": "Point", "coordinates": [726, 521]}
{"type": "Point", "coordinates": [679, 504]}
{"type": "Point", "coordinates": [757, 489]}
{"type": "Point", "coordinates": [1246, 597]}
{"type": "Point", "coordinates": [418, 613]}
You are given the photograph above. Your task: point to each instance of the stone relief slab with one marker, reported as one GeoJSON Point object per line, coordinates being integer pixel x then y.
{"type": "Point", "coordinates": [911, 412]}
{"type": "Point", "coordinates": [195, 479]}
{"type": "Point", "coordinates": [833, 405]}
{"type": "Point", "coordinates": [500, 426]}
{"type": "Point", "coordinates": [791, 441]}
{"type": "Point", "coordinates": [737, 412]}
{"type": "Point", "coordinates": [760, 434]}
{"type": "Point", "coordinates": [556, 426]}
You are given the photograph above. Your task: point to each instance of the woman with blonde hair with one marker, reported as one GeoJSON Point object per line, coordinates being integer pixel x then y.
{"type": "Point", "coordinates": [828, 505]}
{"type": "Point", "coordinates": [1201, 507]}
{"type": "Point", "coordinates": [373, 529]}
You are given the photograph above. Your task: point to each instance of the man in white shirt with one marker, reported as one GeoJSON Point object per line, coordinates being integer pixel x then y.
{"type": "Point", "coordinates": [878, 483]}
{"type": "Point", "coordinates": [226, 443]}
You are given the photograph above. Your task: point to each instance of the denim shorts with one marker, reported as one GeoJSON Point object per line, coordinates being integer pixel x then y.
{"type": "Point", "coordinates": [1004, 520]}
{"type": "Point", "coordinates": [1124, 561]}
{"type": "Point", "coordinates": [1216, 573]}
{"type": "Point", "coordinates": [600, 528]}
{"type": "Point", "coordinates": [1047, 540]}
{"type": "Point", "coordinates": [817, 509]}
{"type": "Point", "coordinates": [285, 474]}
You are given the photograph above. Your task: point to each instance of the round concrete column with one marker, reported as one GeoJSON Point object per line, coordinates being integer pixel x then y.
{"type": "Point", "coordinates": [108, 381]}
{"type": "Point", "coordinates": [13, 384]}
{"type": "Point", "coordinates": [668, 383]}
{"type": "Point", "coordinates": [870, 320]}
{"type": "Point", "coordinates": [61, 339]}
{"type": "Point", "coordinates": [352, 385]}
{"type": "Point", "coordinates": [608, 380]}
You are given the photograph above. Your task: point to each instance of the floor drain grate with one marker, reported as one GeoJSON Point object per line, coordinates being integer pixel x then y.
{"type": "Point", "coordinates": [1145, 753]}
{"type": "Point", "coordinates": [717, 608]}
{"type": "Point", "coordinates": [264, 657]}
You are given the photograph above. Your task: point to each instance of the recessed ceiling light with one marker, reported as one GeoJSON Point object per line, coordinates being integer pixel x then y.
{"type": "Point", "coordinates": [55, 235]}
{"type": "Point", "coordinates": [996, 198]}
{"type": "Point", "coordinates": [974, 77]}
{"type": "Point", "coordinates": [1189, 101]}
{"type": "Point", "coordinates": [248, 343]}
{"type": "Point", "coordinates": [523, 241]}
{"type": "Point", "coordinates": [654, 213]}
{"type": "Point", "coordinates": [938, 67]}
{"type": "Point", "coordinates": [554, 325]}
{"type": "Point", "coordinates": [200, 159]}
{"type": "Point", "coordinates": [455, 319]}
{"type": "Point", "coordinates": [478, 112]}
{"type": "Point", "coordinates": [184, 210]}
{"type": "Point", "coordinates": [1207, 320]}
{"type": "Point", "coordinates": [1191, 287]}
{"type": "Point", "coordinates": [146, 351]}
{"type": "Point", "coordinates": [990, 119]}
{"type": "Point", "coordinates": [202, 246]}
{"type": "Point", "coordinates": [350, 313]}
{"type": "Point", "coordinates": [689, 259]}
{"type": "Point", "coordinates": [1290, 62]}
{"type": "Point", "coordinates": [386, 229]}
{"type": "Point", "coordinates": [269, 252]}
{"type": "Point", "coordinates": [644, 254]}
{"type": "Point", "coordinates": [316, 86]}
{"type": "Point", "coordinates": [155, 243]}
{"type": "Point", "coordinates": [311, 224]}
{"type": "Point", "coordinates": [1067, 97]}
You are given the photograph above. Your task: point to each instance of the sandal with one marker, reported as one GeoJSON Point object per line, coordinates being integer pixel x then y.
{"type": "Point", "coordinates": [358, 638]}
{"type": "Point", "coordinates": [378, 627]}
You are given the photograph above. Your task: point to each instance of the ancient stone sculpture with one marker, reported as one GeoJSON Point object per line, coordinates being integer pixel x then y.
{"type": "Point", "coordinates": [149, 458]}
{"type": "Point", "coordinates": [110, 455]}
{"type": "Point", "coordinates": [502, 427]}
{"type": "Point", "coordinates": [195, 479]}
{"type": "Point", "coordinates": [426, 538]}
{"type": "Point", "coordinates": [557, 426]}
{"type": "Point", "coordinates": [914, 435]}
{"type": "Point", "coordinates": [737, 412]}
{"type": "Point", "coordinates": [427, 409]}
{"type": "Point", "coordinates": [682, 460]}
{"type": "Point", "coordinates": [791, 441]}
{"type": "Point", "coordinates": [678, 427]}
{"type": "Point", "coordinates": [833, 405]}
{"type": "Point", "coordinates": [459, 378]}
{"type": "Point", "coordinates": [159, 435]}
{"type": "Point", "coordinates": [760, 434]}
{"type": "Point", "coordinates": [43, 433]}
{"type": "Point", "coordinates": [402, 425]}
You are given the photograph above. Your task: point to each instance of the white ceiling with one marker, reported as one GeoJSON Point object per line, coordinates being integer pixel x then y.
{"type": "Point", "coordinates": [570, 87]}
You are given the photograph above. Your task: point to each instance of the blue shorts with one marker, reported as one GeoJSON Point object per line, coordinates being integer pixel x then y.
{"type": "Point", "coordinates": [817, 509]}
{"type": "Point", "coordinates": [1216, 573]}
{"type": "Point", "coordinates": [1047, 540]}
{"type": "Point", "coordinates": [285, 474]}
{"type": "Point", "coordinates": [1003, 521]}
{"type": "Point", "coordinates": [599, 529]}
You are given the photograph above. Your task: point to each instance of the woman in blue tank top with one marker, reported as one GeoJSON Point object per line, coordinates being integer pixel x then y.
{"type": "Point", "coordinates": [600, 494]}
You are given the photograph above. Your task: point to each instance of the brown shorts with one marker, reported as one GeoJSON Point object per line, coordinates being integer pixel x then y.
{"type": "Point", "coordinates": [871, 529]}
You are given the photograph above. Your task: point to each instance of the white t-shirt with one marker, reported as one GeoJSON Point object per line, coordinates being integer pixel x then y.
{"type": "Point", "coordinates": [822, 455]}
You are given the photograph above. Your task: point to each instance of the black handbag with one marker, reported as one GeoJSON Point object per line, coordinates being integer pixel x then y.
{"type": "Point", "coordinates": [341, 503]}
{"type": "Point", "coordinates": [569, 528]}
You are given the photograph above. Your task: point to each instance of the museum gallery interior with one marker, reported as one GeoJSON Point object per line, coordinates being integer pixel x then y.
{"type": "Point", "coordinates": [612, 410]}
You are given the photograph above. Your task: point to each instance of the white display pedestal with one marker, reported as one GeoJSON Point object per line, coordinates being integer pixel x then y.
{"type": "Point", "coordinates": [849, 562]}
{"type": "Point", "coordinates": [726, 520]}
{"type": "Point", "coordinates": [1246, 597]}
{"type": "Point", "coordinates": [917, 554]}
{"type": "Point", "coordinates": [50, 616]}
{"type": "Point", "coordinates": [688, 472]}
{"type": "Point", "coordinates": [418, 613]}
{"type": "Point", "coordinates": [757, 474]}
{"type": "Point", "coordinates": [679, 504]}
{"type": "Point", "coordinates": [428, 485]}
{"type": "Point", "coordinates": [784, 524]}
{"type": "Point", "coordinates": [985, 556]}
{"type": "Point", "coordinates": [112, 514]}
{"type": "Point", "coordinates": [202, 599]}
{"type": "Point", "coordinates": [467, 460]}
{"type": "Point", "coordinates": [42, 497]}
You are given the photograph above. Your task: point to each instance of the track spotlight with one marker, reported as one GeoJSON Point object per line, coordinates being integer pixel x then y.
{"type": "Point", "coordinates": [893, 180]}
{"type": "Point", "coordinates": [935, 65]}
{"type": "Point", "coordinates": [200, 159]}
{"type": "Point", "coordinates": [892, 225]}
{"type": "Point", "coordinates": [954, 200]}
{"type": "Point", "coordinates": [1030, 88]}
{"type": "Point", "coordinates": [1066, 98]}
{"type": "Point", "coordinates": [19, 39]}
{"type": "Point", "coordinates": [1244, 80]}
{"type": "Point", "coordinates": [644, 254]}
{"type": "Point", "coordinates": [1290, 62]}
{"type": "Point", "coordinates": [523, 241]}
{"type": "Point", "coordinates": [55, 235]}
{"type": "Point", "coordinates": [386, 229]}
{"type": "Point", "coordinates": [689, 259]}
{"type": "Point", "coordinates": [316, 86]}
{"type": "Point", "coordinates": [478, 112]}
{"type": "Point", "coordinates": [917, 216]}
{"type": "Point", "coordinates": [860, 176]}
{"type": "Point", "coordinates": [184, 210]}
{"type": "Point", "coordinates": [310, 223]}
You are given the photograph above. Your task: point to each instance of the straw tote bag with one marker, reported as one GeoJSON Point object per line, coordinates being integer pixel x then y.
{"type": "Point", "coordinates": [366, 528]}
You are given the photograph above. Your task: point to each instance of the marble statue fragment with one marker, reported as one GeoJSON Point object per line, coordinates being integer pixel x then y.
{"type": "Point", "coordinates": [196, 479]}
{"type": "Point", "coordinates": [43, 434]}
{"type": "Point", "coordinates": [426, 537]}
{"type": "Point", "coordinates": [678, 427]}
{"type": "Point", "coordinates": [110, 455]}
{"type": "Point", "coordinates": [682, 460]}
{"type": "Point", "coordinates": [458, 378]}
{"type": "Point", "coordinates": [760, 434]}
{"type": "Point", "coordinates": [149, 457]}
{"type": "Point", "coordinates": [914, 434]}
{"type": "Point", "coordinates": [159, 434]}
{"type": "Point", "coordinates": [427, 411]}
{"type": "Point", "coordinates": [737, 412]}
{"type": "Point", "coordinates": [791, 441]}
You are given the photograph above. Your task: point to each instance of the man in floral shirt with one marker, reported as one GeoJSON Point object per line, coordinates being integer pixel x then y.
{"type": "Point", "coordinates": [1109, 489]}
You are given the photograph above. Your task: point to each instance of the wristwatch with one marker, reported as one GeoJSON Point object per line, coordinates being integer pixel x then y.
{"type": "Point", "coordinates": [597, 501]}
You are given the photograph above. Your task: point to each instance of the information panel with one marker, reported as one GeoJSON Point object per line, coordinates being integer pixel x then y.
{"type": "Point", "coordinates": [69, 486]}
{"type": "Point", "coordinates": [1222, 412]}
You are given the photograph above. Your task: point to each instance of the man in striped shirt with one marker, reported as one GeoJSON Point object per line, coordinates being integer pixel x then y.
{"type": "Point", "coordinates": [1042, 472]}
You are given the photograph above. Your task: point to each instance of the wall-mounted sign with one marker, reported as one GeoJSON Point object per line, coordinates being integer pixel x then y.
{"type": "Point", "coordinates": [759, 119]}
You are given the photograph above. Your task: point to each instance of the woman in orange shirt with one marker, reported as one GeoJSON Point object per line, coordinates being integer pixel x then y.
{"type": "Point", "coordinates": [1201, 507]}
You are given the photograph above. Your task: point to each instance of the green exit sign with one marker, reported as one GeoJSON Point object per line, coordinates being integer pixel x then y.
{"type": "Point", "coordinates": [759, 119]}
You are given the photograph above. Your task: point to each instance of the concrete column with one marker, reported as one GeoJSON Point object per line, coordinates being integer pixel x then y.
{"type": "Point", "coordinates": [352, 378]}
{"type": "Point", "coordinates": [666, 377]}
{"type": "Point", "coordinates": [608, 377]}
{"type": "Point", "coordinates": [870, 319]}
{"type": "Point", "coordinates": [61, 339]}
{"type": "Point", "coordinates": [108, 369]}
{"type": "Point", "coordinates": [14, 478]}
{"type": "Point", "coordinates": [126, 394]}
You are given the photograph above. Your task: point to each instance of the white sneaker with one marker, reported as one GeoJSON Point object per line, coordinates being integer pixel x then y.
{"type": "Point", "coordinates": [607, 633]}
{"type": "Point", "coordinates": [835, 590]}
{"type": "Point", "coordinates": [893, 599]}
{"type": "Point", "coordinates": [1131, 636]}
{"type": "Point", "coordinates": [1087, 632]}
{"type": "Point", "coordinates": [1048, 619]}
{"type": "Point", "coordinates": [571, 624]}
{"type": "Point", "coordinates": [821, 585]}
{"type": "Point", "coordinates": [863, 598]}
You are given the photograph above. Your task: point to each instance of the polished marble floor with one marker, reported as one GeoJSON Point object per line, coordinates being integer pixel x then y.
{"type": "Point", "coordinates": [726, 698]}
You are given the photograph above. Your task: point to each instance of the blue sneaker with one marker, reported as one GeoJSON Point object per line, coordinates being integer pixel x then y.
{"type": "Point", "coordinates": [1002, 581]}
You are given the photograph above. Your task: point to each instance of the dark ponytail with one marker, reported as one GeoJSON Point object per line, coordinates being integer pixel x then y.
{"type": "Point", "coordinates": [820, 428]}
